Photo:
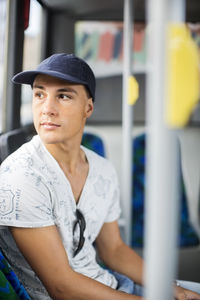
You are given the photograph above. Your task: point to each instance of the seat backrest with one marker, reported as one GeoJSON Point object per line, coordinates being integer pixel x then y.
{"type": "Point", "coordinates": [11, 141]}
{"type": "Point", "coordinates": [6, 290]}
{"type": "Point", "coordinates": [93, 142]}
{"type": "Point", "coordinates": [187, 235]}
{"type": "Point", "coordinates": [10, 286]}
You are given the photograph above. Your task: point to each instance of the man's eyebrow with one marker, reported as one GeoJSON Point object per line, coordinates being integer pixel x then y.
{"type": "Point", "coordinates": [61, 90]}
{"type": "Point", "coordinates": [67, 89]}
{"type": "Point", "coordinates": [36, 86]}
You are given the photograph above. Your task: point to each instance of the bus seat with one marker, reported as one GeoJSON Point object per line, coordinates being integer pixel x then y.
{"type": "Point", "coordinates": [187, 235]}
{"type": "Point", "coordinates": [93, 142]}
{"type": "Point", "coordinates": [10, 286]}
{"type": "Point", "coordinates": [10, 141]}
{"type": "Point", "coordinates": [6, 290]}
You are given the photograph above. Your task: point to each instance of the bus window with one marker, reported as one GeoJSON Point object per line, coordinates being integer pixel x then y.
{"type": "Point", "coordinates": [3, 9]}
{"type": "Point", "coordinates": [32, 46]}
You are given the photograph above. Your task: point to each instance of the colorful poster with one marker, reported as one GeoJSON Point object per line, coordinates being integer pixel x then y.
{"type": "Point", "coordinates": [101, 45]}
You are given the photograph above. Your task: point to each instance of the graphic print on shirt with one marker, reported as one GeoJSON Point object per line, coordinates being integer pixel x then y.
{"type": "Point", "coordinates": [101, 187]}
{"type": "Point", "coordinates": [6, 202]}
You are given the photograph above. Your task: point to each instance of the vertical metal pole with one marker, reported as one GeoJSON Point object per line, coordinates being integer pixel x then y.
{"type": "Point", "coordinates": [162, 165]}
{"type": "Point", "coordinates": [13, 63]}
{"type": "Point", "coordinates": [177, 10]}
{"type": "Point", "coordinates": [127, 121]}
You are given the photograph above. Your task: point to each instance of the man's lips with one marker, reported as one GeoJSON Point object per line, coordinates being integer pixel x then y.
{"type": "Point", "coordinates": [49, 125]}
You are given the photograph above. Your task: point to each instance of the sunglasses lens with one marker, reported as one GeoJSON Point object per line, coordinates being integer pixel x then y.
{"type": "Point", "coordinates": [82, 224]}
{"type": "Point", "coordinates": [81, 219]}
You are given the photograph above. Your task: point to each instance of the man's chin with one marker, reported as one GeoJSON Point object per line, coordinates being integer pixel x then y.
{"type": "Point", "coordinates": [49, 139]}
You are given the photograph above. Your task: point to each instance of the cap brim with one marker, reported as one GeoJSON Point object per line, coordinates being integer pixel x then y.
{"type": "Point", "coordinates": [27, 77]}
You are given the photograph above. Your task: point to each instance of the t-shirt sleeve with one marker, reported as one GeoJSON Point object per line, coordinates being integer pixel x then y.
{"type": "Point", "coordinates": [114, 210]}
{"type": "Point", "coordinates": [25, 200]}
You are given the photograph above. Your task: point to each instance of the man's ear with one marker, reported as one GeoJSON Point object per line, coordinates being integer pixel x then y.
{"type": "Point", "coordinates": [89, 107]}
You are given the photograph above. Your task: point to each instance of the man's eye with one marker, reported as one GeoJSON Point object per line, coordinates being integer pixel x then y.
{"type": "Point", "coordinates": [64, 97]}
{"type": "Point", "coordinates": [39, 95]}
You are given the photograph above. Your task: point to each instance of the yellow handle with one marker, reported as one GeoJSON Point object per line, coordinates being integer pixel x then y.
{"type": "Point", "coordinates": [133, 90]}
{"type": "Point", "coordinates": [183, 75]}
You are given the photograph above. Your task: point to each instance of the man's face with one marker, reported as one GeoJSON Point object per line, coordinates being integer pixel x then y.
{"type": "Point", "coordinates": [60, 109]}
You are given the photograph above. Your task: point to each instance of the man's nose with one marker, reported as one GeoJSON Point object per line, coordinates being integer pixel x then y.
{"type": "Point", "coordinates": [49, 106]}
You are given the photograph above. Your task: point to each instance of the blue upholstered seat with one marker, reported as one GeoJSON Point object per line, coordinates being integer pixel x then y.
{"type": "Point", "coordinates": [187, 236]}
{"type": "Point", "coordinates": [93, 142]}
{"type": "Point", "coordinates": [10, 286]}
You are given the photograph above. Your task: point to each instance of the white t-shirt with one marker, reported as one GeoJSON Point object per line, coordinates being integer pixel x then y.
{"type": "Point", "coordinates": [34, 192]}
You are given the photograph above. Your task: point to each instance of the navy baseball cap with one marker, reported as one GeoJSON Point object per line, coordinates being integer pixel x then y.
{"type": "Point", "coordinates": [63, 66]}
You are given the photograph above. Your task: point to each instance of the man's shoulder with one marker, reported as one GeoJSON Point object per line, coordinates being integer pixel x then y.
{"type": "Point", "coordinates": [22, 157]}
{"type": "Point", "coordinates": [100, 162]}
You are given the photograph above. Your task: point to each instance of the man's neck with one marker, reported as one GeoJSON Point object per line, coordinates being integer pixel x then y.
{"type": "Point", "coordinates": [74, 164]}
{"type": "Point", "coordinates": [68, 155]}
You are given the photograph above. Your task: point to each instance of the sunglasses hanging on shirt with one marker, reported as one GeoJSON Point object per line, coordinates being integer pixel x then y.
{"type": "Point", "coordinates": [80, 221]}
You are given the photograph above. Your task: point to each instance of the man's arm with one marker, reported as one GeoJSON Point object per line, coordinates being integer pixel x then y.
{"type": "Point", "coordinates": [117, 255]}
{"type": "Point", "coordinates": [44, 251]}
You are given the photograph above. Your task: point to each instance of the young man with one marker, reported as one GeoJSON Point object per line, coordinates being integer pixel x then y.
{"type": "Point", "coordinates": [58, 198]}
